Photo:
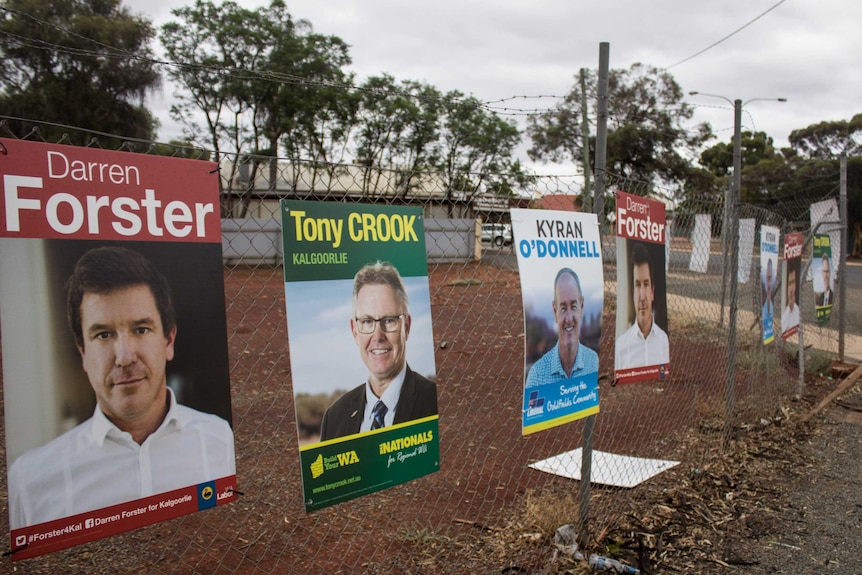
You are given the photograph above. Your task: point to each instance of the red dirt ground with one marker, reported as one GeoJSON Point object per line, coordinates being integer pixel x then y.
{"type": "Point", "coordinates": [478, 327]}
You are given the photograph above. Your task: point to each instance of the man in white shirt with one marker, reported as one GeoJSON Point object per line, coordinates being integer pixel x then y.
{"type": "Point", "coordinates": [790, 313]}
{"type": "Point", "coordinates": [644, 343]}
{"type": "Point", "coordinates": [139, 442]}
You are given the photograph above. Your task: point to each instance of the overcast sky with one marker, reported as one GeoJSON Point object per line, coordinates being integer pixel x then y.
{"type": "Point", "coordinates": [808, 52]}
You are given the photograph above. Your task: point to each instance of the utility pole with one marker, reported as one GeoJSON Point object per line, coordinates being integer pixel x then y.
{"type": "Point", "coordinates": [585, 144]}
{"type": "Point", "coordinates": [842, 255]}
{"type": "Point", "coordinates": [734, 264]}
{"type": "Point", "coordinates": [733, 274]}
{"type": "Point", "coordinates": [599, 209]}
{"type": "Point", "coordinates": [602, 132]}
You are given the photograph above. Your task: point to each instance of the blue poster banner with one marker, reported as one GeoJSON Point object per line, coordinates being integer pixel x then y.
{"type": "Point", "coordinates": [768, 280]}
{"type": "Point", "coordinates": [560, 264]}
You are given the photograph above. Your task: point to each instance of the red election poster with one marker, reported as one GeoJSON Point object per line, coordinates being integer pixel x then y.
{"type": "Point", "coordinates": [115, 368]}
{"type": "Point", "coordinates": [641, 350]}
{"type": "Point", "coordinates": [790, 283]}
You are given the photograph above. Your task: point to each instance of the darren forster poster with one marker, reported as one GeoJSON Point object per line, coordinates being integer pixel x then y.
{"type": "Point", "coordinates": [560, 264]}
{"type": "Point", "coordinates": [641, 347]}
{"type": "Point", "coordinates": [790, 282]}
{"type": "Point", "coordinates": [142, 354]}
{"type": "Point", "coordinates": [361, 347]}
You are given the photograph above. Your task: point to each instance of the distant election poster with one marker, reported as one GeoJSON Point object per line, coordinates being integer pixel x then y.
{"type": "Point", "coordinates": [825, 219]}
{"type": "Point", "coordinates": [700, 240]}
{"type": "Point", "coordinates": [768, 280]}
{"type": "Point", "coordinates": [641, 349]}
{"type": "Point", "coordinates": [361, 347]}
{"type": "Point", "coordinates": [115, 363]}
{"type": "Point", "coordinates": [790, 284]}
{"type": "Point", "coordinates": [560, 263]}
{"type": "Point", "coordinates": [824, 294]}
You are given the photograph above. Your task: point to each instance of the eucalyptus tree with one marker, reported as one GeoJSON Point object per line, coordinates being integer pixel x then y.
{"type": "Point", "coordinates": [214, 51]}
{"type": "Point", "coordinates": [397, 122]}
{"type": "Point", "coordinates": [476, 147]}
{"type": "Point", "coordinates": [264, 84]}
{"type": "Point", "coordinates": [828, 140]}
{"type": "Point", "coordinates": [397, 128]}
{"type": "Point", "coordinates": [257, 78]}
{"type": "Point", "coordinates": [647, 135]}
{"type": "Point", "coordinates": [82, 63]}
{"type": "Point", "coordinates": [755, 147]}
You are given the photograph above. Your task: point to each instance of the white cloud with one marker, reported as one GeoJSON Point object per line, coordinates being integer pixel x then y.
{"type": "Point", "coordinates": [806, 52]}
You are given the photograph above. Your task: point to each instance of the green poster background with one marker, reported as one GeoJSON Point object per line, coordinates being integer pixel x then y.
{"type": "Point", "coordinates": [332, 240]}
{"type": "Point", "coordinates": [822, 247]}
{"type": "Point", "coordinates": [343, 469]}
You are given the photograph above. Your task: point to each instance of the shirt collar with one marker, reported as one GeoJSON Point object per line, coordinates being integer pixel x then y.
{"type": "Point", "coordinates": [640, 334]}
{"type": "Point", "coordinates": [557, 367]}
{"type": "Point", "coordinates": [102, 426]}
{"type": "Point", "coordinates": [392, 393]}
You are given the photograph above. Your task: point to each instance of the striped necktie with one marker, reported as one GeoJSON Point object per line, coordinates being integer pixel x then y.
{"type": "Point", "coordinates": [378, 413]}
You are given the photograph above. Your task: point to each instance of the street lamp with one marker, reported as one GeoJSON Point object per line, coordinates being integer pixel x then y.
{"type": "Point", "coordinates": [730, 204]}
{"type": "Point", "coordinates": [737, 134]}
{"type": "Point", "coordinates": [733, 193]}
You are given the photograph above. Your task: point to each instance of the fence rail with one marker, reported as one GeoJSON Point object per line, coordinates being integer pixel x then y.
{"type": "Point", "coordinates": [484, 484]}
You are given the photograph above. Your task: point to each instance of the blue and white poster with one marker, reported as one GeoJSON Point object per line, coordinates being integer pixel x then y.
{"type": "Point", "coordinates": [768, 280]}
{"type": "Point", "coordinates": [560, 263]}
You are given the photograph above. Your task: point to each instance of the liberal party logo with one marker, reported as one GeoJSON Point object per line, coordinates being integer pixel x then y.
{"type": "Point", "coordinates": [536, 405]}
{"type": "Point", "coordinates": [206, 495]}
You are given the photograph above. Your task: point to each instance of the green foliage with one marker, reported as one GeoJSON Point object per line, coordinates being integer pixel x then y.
{"type": "Point", "coordinates": [309, 412]}
{"type": "Point", "coordinates": [82, 63]}
{"type": "Point", "coordinates": [645, 138]}
{"type": "Point", "coordinates": [755, 147]}
{"type": "Point", "coordinates": [475, 141]}
{"type": "Point", "coordinates": [412, 125]}
{"type": "Point", "coordinates": [398, 123]}
{"type": "Point", "coordinates": [266, 84]}
{"type": "Point", "coordinates": [828, 140]}
{"type": "Point", "coordinates": [259, 79]}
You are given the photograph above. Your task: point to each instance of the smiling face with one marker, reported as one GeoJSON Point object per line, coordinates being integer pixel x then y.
{"type": "Point", "coordinates": [383, 353]}
{"type": "Point", "coordinates": [568, 310]}
{"type": "Point", "coordinates": [124, 352]}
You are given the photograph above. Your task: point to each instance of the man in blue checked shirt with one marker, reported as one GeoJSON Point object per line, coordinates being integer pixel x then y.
{"type": "Point", "coordinates": [568, 358]}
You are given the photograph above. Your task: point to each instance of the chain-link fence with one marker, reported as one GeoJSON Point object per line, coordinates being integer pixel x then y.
{"type": "Point", "coordinates": [457, 520]}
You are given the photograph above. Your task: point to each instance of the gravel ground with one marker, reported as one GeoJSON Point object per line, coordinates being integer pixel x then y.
{"type": "Point", "coordinates": [786, 499]}
{"type": "Point", "coordinates": [818, 529]}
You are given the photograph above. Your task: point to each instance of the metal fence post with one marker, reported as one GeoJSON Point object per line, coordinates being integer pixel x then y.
{"type": "Point", "coordinates": [842, 257]}
{"type": "Point", "coordinates": [599, 208]}
{"type": "Point", "coordinates": [730, 393]}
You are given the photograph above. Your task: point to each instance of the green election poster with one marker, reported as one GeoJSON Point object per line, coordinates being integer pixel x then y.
{"type": "Point", "coordinates": [824, 294]}
{"type": "Point", "coordinates": [361, 347]}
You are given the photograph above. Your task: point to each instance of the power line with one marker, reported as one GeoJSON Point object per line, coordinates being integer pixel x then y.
{"type": "Point", "coordinates": [740, 29]}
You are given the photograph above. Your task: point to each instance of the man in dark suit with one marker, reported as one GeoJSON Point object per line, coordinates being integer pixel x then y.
{"type": "Point", "coordinates": [825, 297]}
{"type": "Point", "coordinates": [393, 393]}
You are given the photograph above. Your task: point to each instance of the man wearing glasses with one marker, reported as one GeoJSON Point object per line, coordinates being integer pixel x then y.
{"type": "Point", "coordinates": [393, 393]}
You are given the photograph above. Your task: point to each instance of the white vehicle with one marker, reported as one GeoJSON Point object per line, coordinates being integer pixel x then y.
{"type": "Point", "coordinates": [497, 234]}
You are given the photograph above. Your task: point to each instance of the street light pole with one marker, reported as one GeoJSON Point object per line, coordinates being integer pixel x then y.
{"type": "Point", "coordinates": [731, 203]}
{"type": "Point", "coordinates": [730, 393]}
